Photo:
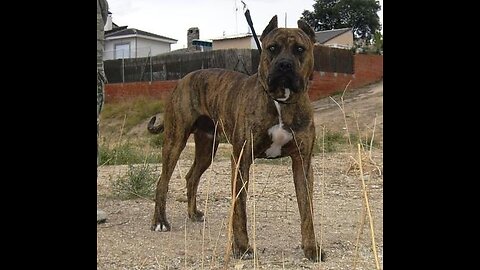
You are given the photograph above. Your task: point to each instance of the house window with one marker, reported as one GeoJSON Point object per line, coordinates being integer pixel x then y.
{"type": "Point", "coordinates": [122, 51]}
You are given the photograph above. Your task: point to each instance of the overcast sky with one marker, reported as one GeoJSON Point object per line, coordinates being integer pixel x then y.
{"type": "Point", "coordinates": [172, 18]}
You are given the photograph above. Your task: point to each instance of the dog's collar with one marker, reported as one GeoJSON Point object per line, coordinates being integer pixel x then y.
{"type": "Point", "coordinates": [275, 99]}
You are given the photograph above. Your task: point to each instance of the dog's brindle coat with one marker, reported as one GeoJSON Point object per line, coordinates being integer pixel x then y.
{"type": "Point", "coordinates": [271, 106]}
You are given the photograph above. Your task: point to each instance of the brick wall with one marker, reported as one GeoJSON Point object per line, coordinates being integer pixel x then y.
{"type": "Point", "coordinates": [368, 69]}
{"type": "Point", "coordinates": [122, 91]}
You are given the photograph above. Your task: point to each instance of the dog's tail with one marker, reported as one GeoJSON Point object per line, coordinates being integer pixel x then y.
{"type": "Point", "coordinates": [154, 129]}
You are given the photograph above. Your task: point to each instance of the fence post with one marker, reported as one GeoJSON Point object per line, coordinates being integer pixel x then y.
{"type": "Point", "coordinates": [123, 70]}
{"type": "Point", "coordinates": [151, 70]}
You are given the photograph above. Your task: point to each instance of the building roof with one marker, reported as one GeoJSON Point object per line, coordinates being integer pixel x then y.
{"type": "Point", "coordinates": [115, 28]}
{"type": "Point", "coordinates": [234, 36]}
{"type": "Point", "coordinates": [132, 32]}
{"type": "Point", "coordinates": [324, 36]}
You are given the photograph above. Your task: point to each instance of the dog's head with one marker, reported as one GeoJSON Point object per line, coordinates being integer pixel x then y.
{"type": "Point", "coordinates": [286, 61]}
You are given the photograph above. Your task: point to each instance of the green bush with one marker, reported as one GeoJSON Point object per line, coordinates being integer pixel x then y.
{"type": "Point", "coordinates": [139, 182]}
{"type": "Point", "coordinates": [331, 142]}
{"type": "Point", "coordinates": [335, 140]}
{"type": "Point", "coordinates": [125, 153]}
{"type": "Point", "coordinates": [157, 140]}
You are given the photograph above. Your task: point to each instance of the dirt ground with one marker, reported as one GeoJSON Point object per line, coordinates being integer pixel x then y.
{"type": "Point", "coordinates": [125, 240]}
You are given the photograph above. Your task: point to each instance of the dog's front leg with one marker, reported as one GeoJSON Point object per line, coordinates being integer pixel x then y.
{"type": "Point", "coordinates": [303, 179]}
{"type": "Point", "coordinates": [241, 248]}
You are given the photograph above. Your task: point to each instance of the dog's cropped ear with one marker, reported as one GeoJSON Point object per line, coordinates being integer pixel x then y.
{"type": "Point", "coordinates": [271, 25]}
{"type": "Point", "coordinates": [307, 29]}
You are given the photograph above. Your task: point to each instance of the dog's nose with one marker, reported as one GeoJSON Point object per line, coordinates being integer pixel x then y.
{"type": "Point", "coordinates": [285, 65]}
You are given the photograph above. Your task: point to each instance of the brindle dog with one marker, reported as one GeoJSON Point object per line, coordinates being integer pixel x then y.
{"type": "Point", "coordinates": [270, 109]}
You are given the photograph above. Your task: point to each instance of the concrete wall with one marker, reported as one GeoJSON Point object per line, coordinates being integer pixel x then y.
{"type": "Point", "coordinates": [368, 69]}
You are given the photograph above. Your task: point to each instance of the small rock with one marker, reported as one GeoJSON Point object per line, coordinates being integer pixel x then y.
{"type": "Point", "coordinates": [182, 199]}
{"type": "Point", "coordinates": [101, 216]}
{"type": "Point", "coordinates": [239, 266]}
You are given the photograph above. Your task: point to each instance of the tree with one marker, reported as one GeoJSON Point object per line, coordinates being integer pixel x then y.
{"type": "Point", "coordinates": [360, 15]}
{"type": "Point", "coordinates": [378, 41]}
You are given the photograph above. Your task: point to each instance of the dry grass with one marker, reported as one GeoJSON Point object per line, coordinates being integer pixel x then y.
{"type": "Point", "coordinates": [364, 163]}
{"type": "Point", "coordinates": [342, 109]}
{"type": "Point", "coordinates": [369, 212]}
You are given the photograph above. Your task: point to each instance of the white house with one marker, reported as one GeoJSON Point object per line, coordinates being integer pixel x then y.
{"type": "Point", "coordinates": [124, 42]}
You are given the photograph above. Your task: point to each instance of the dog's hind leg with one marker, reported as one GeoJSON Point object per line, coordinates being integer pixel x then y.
{"type": "Point", "coordinates": [172, 147]}
{"type": "Point", "coordinates": [204, 145]}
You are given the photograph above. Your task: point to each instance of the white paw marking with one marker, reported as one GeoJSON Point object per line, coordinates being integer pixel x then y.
{"type": "Point", "coordinates": [278, 134]}
{"type": "Point", "coordinates": [160, 228]}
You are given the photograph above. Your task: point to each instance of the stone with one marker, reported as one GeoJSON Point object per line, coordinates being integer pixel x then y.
{"type": "Point", "coordinates": [101, 216]}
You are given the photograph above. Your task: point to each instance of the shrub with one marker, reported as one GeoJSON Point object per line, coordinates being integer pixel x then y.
{"type": "Point", "coordinates": [139, 182]}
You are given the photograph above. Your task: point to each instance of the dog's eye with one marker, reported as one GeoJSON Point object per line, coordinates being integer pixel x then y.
{"type": "Point", "coordinates": [300, 49]}
{"type": "Point", "coordinates": [272, 48]}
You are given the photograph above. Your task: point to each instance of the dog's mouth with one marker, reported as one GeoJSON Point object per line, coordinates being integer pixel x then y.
{"type": "Point", "coordinates": [282, 82]}
{"type": "Point", "coordinates": [280, 85]}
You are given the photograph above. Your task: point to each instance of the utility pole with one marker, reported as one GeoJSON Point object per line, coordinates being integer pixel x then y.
{"type": "Point", "coordinates": [236, 18]}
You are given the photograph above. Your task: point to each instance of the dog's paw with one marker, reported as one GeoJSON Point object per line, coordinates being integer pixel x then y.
{"type": "Point", "coordinates": [160, 227]}
{"type": "Point", "coordinates": [314, 253]}
{"type": "Point", "coordinates": [243, 253]}
{"type": "Point", "coordinates": [196, 217]}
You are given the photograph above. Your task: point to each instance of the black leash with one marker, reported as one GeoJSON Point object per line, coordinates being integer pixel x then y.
{"type": "Point", "coordinates": [250, 23]}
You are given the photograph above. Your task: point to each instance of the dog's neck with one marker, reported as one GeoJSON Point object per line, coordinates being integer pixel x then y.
{"type": "Point", "coordinates": [277, 102]}
{"type": "Point", "coordinates": [279, 110]}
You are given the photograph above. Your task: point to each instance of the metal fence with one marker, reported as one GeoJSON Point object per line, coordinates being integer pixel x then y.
{"type": "Point", "coordinates": [127, 53]}
{"type": "Point", "coordinates": [175, 65]}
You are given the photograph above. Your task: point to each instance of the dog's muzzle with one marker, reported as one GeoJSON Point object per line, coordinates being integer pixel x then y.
{"type": "Point", "coordinates": [283, 76]}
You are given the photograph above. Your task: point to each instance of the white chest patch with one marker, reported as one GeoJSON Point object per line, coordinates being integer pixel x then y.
{"type": "Point", "coordinates": [279, 136]}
